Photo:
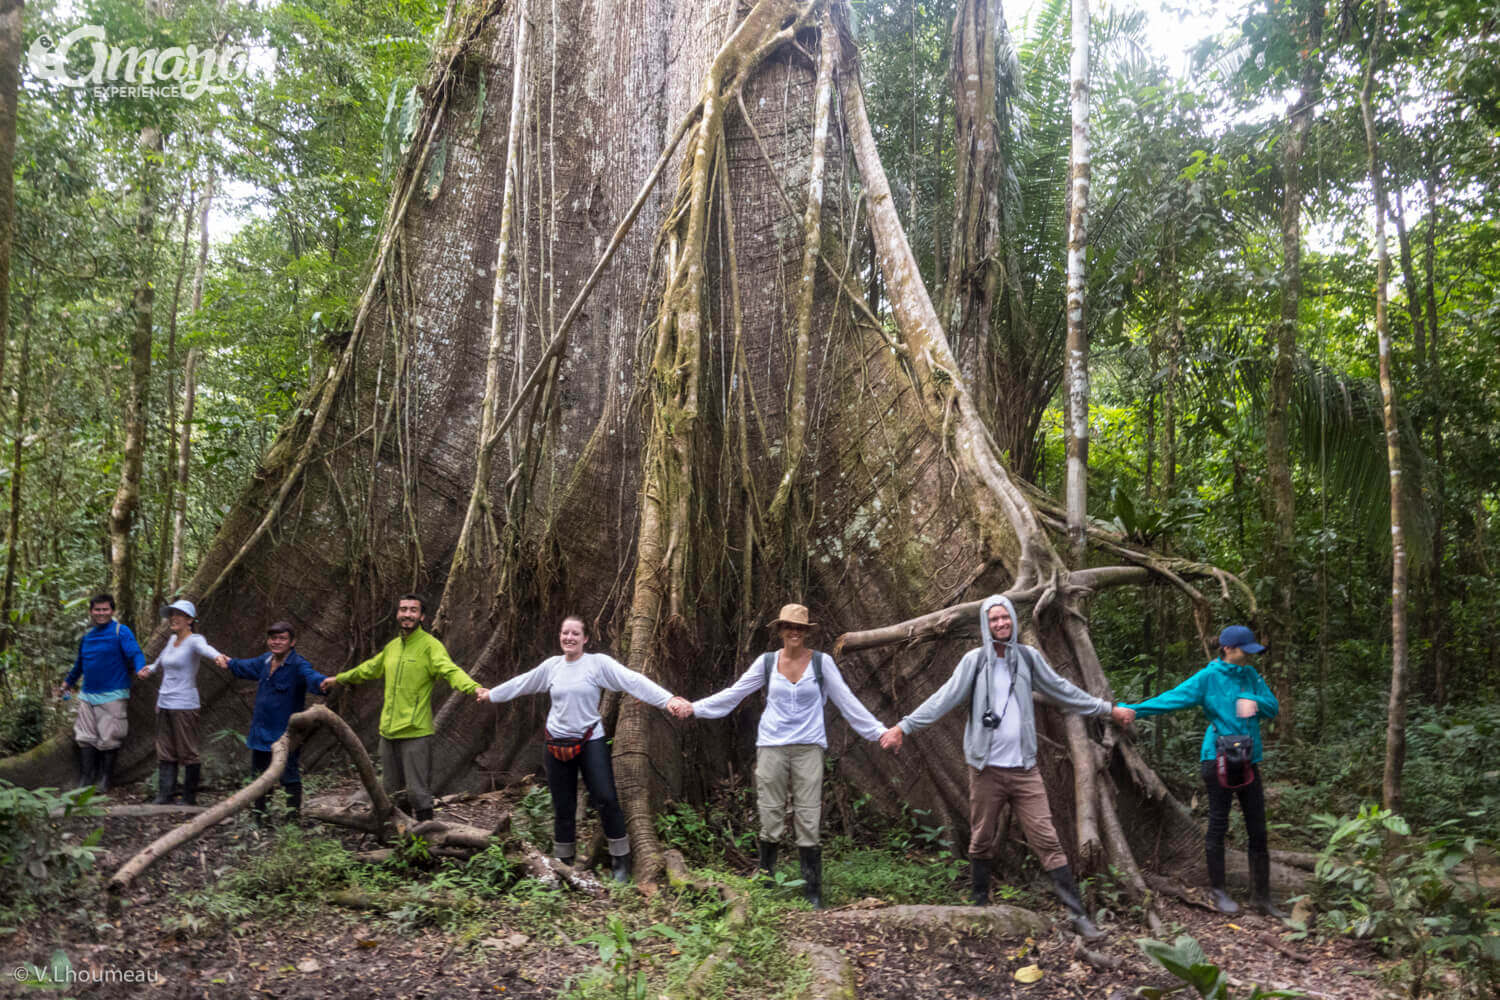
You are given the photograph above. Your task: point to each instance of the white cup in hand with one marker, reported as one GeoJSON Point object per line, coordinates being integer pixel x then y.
{"type": "Point", "coordinates": [1246, 708]}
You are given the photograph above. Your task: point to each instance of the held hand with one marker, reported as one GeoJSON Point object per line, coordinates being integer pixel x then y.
{"type": "Point", "coordinates": [891, 739]}
{"type": "Point", "coordinates": [327, 685]}
{"type": "Point", "coordinates": [1124, 716]}
{"type": "Point", "coordinates": [680, 707]}
{"type": "Point", "coordinates": [143, 672]}
{"type": "Point", "coordinates": [482, 695]}
{"type": "Point", "coordinates": [222, 661]}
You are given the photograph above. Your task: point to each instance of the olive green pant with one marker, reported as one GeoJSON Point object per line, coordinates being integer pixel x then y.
{"type": "Point", "coordinates": [790, 779]}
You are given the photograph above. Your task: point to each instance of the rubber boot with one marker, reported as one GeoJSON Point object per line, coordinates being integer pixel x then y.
{"type": "Point", "coordinates": [979, 881]}
{"type": "Point", "coordinates": [88, 764]}
{"type": "Point", "coordinates": [1222, 901]}
{"type": "Point", "coordinates": [166, 781]}
{"type": "Point", "coordinates": [811, 859]}
{"type": "Point", "coordinates": [294, 799]}
{"type": "Point", "coordinates": [106, 769]}
{"type": "Point", "coordinates": [1066, 888]}
{"type": "Point", "coordinates": [620, 865]}
{"type": "Point", "coordinates": [1260, 877]}
{"type": "Point", "coordinates": [423, 815]}
{"type": "Point", "coordinates": [765, 865]}
{"type": "Point", "coordinates": [190, 777]}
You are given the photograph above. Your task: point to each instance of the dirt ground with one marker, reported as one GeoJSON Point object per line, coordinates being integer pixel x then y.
{"type": "Point", "coordinates": [335, 951]}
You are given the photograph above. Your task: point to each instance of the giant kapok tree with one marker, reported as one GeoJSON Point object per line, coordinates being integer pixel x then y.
{"type": "Point", "coordinates": [614, 357]}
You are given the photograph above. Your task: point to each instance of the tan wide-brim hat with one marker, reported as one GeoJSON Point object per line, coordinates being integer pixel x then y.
{"type": "Point", "coordinates": [793, 614]}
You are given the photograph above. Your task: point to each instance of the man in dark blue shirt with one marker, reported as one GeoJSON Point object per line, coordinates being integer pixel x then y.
{"type": "Point", "coordinates": [108, 657]}
{"type": "Point", "coordinates": [284, 678]}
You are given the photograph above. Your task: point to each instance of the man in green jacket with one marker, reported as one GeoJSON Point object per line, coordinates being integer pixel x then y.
{"type": "Point", "coordinates": [410, 662]}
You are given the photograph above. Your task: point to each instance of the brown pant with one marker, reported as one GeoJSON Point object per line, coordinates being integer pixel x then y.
{"type": "Point", "coordinates": [789, 780]}
{"type": "Point", "coordinates": [177, 735]}
{"type": "Point", "coordinates": [1022, 787]}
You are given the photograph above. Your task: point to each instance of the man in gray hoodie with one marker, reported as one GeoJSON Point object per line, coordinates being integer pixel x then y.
{"type": "Point", "coordinates": [996, 680]}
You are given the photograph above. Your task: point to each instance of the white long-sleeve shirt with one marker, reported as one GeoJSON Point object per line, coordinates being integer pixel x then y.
{"type": "Point", "coordinates": [794, 712]}
{"type": "Point", "coordinates": [179, 661]}
{"type": "Point", "coordinates": [576, 688]}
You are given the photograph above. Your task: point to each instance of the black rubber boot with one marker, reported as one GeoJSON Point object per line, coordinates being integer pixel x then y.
{"type": "Point", "coordinates": [294, 798]}
{"type": "Point", "coordinates": [423, 815]}
{"type": "Point", "coordinates": [765, 865]}
{"type": "Point", "coordinates": [811, 859]}
{"type": "Point", "coordinates": [190, 777]}
{"type": "Point", "coordinates": [979, 881]}
{"type": "Point", "coordinates": [1222, 901]}
{"type": "Point", "coordinates": [1260, 877]}
{"type": "Point", "coordinates": [1066, 888]}
{"type": "Point", "coordinates": [166, 781]}
{"type": "Point", "coordinates": [620, 865]}
{"type": "Point", "coordinates": [88, 764]}
{"type": "Point", "coordinates": [106, 773]}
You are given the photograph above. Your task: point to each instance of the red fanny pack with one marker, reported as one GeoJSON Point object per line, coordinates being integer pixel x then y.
{"type": "Point", "coordinates": [566, 750]}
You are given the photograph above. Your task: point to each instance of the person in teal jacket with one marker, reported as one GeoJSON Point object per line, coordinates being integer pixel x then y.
{"type": "Point", "coordinates": [1235, 699]}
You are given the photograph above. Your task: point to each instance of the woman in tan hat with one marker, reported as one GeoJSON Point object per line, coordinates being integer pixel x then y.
{"type": "Point", "coordinates": [177, 703]}
{"type": "Point", "coordinates": [791, 741]}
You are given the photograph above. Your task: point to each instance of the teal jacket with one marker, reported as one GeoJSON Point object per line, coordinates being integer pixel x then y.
{"type": "Point", "coordinates": [1214, 689]}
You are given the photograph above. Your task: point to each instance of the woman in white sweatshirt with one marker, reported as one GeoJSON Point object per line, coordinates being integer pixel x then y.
{"type": "Point", "coordinates": [791, 741]}
{"type": "Point", "coordinates": [575, 735]}
{"type": "Point", "coordinates": [177, 703]}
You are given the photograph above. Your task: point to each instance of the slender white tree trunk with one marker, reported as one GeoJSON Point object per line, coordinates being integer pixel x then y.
{"type": "Point", "coordinates": [1078, 345]}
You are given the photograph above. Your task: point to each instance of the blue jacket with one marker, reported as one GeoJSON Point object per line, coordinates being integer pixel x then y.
{"type": "Point", "coordinates": [108, 657]}
{"type": "Point", "coordinates": [1214, 689]}
{"type": "Point", "coordinates": [279, 695]}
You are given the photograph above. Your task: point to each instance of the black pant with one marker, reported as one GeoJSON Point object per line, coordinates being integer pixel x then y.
{"type": "Point", "coordinates": [1252, 804]}
{"type": "Point", "coordinates": [292, 775]}
{"type": "Point", "coordinates": [598, 778]}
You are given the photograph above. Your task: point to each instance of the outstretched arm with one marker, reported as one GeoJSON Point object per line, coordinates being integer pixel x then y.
{"type": "Point", "coordinates": [721, 703]}
{"type": "Point", "coordinates": [850, 707]}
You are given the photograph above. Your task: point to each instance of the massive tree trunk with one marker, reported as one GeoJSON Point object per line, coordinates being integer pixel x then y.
{"type": "Point", "coordinates": [1282, 506]}
{"type": "Point", "coordinates": [654, 481]}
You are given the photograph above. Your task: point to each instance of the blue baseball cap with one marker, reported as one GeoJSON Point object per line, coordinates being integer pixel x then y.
{"type": "Point", "coordinates": [1240, 637]}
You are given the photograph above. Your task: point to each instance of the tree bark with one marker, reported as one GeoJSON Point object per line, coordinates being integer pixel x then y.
{"type": "Point", "coordinates": [122, 512]}
{"type": "Point", "coordinates": [1077, 409]}
{"type": "Point", "coordinates": [11, 17]}
{"type": "Point", "coordinates": [1283, 506]}
{"type": "Point", "coordinates": [1395, 733]}
{"type": "Point", "coordinates": [184, 455]}
{"type": "Point", "coordinates": [13, 525]}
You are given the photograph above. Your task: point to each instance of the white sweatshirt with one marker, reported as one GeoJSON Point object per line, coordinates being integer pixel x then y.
{"type": "Point", "coordinates": [179, 663]}
{"type": "Point", "coordinates": [794, 712]}
{"type": "Point", "coordinates": [576, 688]}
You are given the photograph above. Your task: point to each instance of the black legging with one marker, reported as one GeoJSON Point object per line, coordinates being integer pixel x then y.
{"type": "Point", "coordinates": [598, 778]}
{"type": "Point", "coordinates": [1252, 804]}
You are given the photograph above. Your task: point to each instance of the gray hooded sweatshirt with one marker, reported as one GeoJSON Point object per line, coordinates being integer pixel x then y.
{"type": "Point", "coordinates": [1030, 671]}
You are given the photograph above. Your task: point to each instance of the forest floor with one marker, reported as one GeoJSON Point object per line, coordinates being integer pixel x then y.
{"type": "Point", "coordinates": [246, 912]}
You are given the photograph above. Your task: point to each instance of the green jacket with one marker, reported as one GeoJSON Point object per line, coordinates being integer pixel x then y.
{"type": "Point", "coordinates": [410, 664]}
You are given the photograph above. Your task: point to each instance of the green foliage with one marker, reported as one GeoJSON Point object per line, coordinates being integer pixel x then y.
{"type": "Point", "coordinates": [293, 869]}
{"type": "Point", "coordinates": [1185, 960]}
{"type": "Point", "coordinates": [25, 721]}
{"type": "Point", "coordinates": [623, 977]}
{"type": "Point", "coordinates": [39, 862]}
{"type": "Point", "coordinates": [1376, 881]}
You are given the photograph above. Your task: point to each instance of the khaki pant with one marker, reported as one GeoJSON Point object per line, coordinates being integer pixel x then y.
{"type": "Point", "coordinates": [407, 764]}
{"type": "Point", "coordinates": [103, 726]}
{"type": "Point", "coordinates": [177, 735]}
{"type": "Point", "coordinates": [790, 778]}
{"type": "Point", "coordinates": [990, 790]}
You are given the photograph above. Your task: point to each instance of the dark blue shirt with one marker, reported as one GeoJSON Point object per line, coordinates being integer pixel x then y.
{"type": "Point", "coordinates": [107, 660]}
{"type": "Point", "coordinates": [279, 695]}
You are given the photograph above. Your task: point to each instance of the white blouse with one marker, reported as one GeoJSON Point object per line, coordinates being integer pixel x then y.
{"type": "Point", "coordinates": [794, 712]}
{"type": "Point", "coordinates": [179, 664]}
{"type": "Point", "coordinates": [576, 688]}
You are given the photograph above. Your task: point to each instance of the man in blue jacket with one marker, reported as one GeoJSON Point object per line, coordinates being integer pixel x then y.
{"type": "Point", "coordinates": [108, 657]}
{"type": "Point", "coordinates": [284, 678]}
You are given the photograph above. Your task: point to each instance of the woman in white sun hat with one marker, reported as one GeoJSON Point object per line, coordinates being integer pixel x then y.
{"type": "Point", "coordinates": [177, 703]}
{"type": "Point", "coordinates": [791, 740]}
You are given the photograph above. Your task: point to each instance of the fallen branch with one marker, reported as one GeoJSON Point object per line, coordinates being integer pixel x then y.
{"type": "Point", "coordinates": [297, 730]}
{"type": "Point", "coordinates": [1102, 961]}
{"type": "Point", "coordinates": [550, 871]}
